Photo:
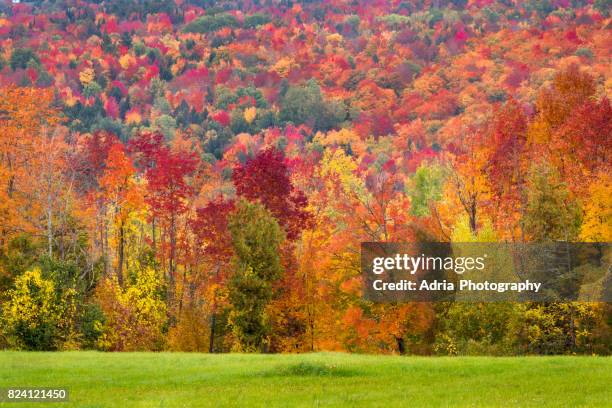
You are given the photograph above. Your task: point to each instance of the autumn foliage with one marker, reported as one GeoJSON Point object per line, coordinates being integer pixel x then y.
{"type": "Point", "coordinates": [186, 177]}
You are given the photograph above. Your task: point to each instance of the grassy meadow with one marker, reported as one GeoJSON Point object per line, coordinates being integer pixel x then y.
{"type": "Point", "coordinates": [309, 380]}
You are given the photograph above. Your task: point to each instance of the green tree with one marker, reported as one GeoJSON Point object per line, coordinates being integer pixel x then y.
{"type": "Point", "coordinates": [306, 105]}
{"type": "Point", "coordinates": [256, 19]}
{"type": "Point", "coordinates": [256, 238]}
{"type": "Point", "coordinates": [552, 213]}
{"type": "Point", "coordinates": [21, 57]}
{"type": "Point", "coordinates": [468, 327]}
{"type": "Point", "coordinates": [210, 23]}
{"type": "Point", "coordinates": [425, 187]}
{"type": "Point", "coordinates": [603, 6]}
{"type": "Point", "coordinates": [559, 327]}
{"type": "Point", "coordinates": [479, 328]}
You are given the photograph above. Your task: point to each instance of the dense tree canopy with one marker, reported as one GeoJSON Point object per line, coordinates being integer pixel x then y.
{"type": "Point", "coordinates": [198, 175]}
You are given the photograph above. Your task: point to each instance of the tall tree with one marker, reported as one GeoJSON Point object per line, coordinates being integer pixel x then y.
{"type": "Point", "coordinates": [256, 238]}
{"type": "Point", "coordinates": [214, 242]}
{"type": "Point", "coordinates": [124, 194]}
{"type": "Point", "coordinates": [507, 163]}
{"type": "Point", "coordinates": [25, 114]}
{"type": "Point", "coordinates": [552, 213]}
{"type": "Point", "coordinates": [168, 191]}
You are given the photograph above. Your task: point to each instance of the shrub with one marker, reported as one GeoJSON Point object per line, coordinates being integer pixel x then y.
{"type": "Point", "coordinates": [134, 316]}
{"type": "Point", "coordinates": [34, 316]}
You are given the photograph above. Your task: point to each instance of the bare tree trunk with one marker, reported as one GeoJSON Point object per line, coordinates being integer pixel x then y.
{"type": "Point", "coordinates": [153, 233]}
{"type": "Point", "coordinates": [105, 245]}
{"type": "Point", "coordinates": [120, 254]}
{"type": "Point", "coordinates": [473, 225]}
{"type": "Point", "coordinates": [184, 283]}
{"type": "Point", "coordinates": [171, 262]}
{"type": "Point", "coordinates": [401, 346]}
{"type": "Point", "coordinates": [213, 318]}
{"type": "Point", "coordinates": [49, 223]}
{"type": "Point", "coordinates": [213, 323]}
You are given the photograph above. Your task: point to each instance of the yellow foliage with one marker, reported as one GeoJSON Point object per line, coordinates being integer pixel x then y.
{"type": "Point", "coordinates": [191, 333]}
{"type": "Point", "coordinates": [463, 233]}
{"type": "Point", "coordinates": [172, 44]}
{"type": "Point", "coordinates": [283, 66]}
{"type": "Point", "coordinates": [337, 137]}
{"type": "Point", "coordinates": [334, 38]}
{"type": "Point", "coordinates": [133, 117]}
{"type": "Point", "coordinates": [35, 317]}
{"type": "Point", "coordinates": [32, 298]}
{"type": "Point", "coordinates": [597, 222]}
{"type": "Point", "coordinates": [178, 66]}
{"type": "Point", "coordinates": [87, 76]}
{"type": "Point", "coordinates": [69, 98]}
{"type": "Point", "coordinates": [337, 165]}
{"type": "Point", "coordinates": [428, 84]}
{"type": "Point", "coordinates": [134, 316]}
{"type": "Point", "coordinates": [538, 132]}
{"type": "Point", "coordinates": [249, 114]}
{"type": "Point", "coordinates": [126, 60]}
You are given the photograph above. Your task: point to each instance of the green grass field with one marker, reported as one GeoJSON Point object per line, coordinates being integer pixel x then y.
{"type": "Point", "coordinates": [325, 379]}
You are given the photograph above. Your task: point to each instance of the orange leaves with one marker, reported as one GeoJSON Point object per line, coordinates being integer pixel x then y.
{"type": "Point", "coordinates": [571, 87]}
{"type": "Point", "coordinates": [26, 120]}
{"type": "Point", "coordinates": [370, 97]}
{"type": "Point", "coordinates": [119, 168]}
{"type": "Point", "coordinates": [352, 286]}
{"type": "Point", "coordinates": [385, 327]}
{"type": "Point", "coordinates": [597, 223]}
{"type": "Point", "coordinates": [118, 181]}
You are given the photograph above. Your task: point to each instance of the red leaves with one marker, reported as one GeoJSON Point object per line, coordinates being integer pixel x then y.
{"type": "Point", "coordinates": [222, 118]}
{"type": "Point", "coordinates": [112, 108]}
{"type": "Point", "coordinates": [90, 164]}
{"type": "Point", "coordinates": [376, 124]}
{"type": "Point", "coordinates": [210, 228]}
{"type": "Point", "coordinates": [508, 141]}
{"type": "Point", "coordinates": [166, 172]}
{"type": "Point", "coordinates": [146, 145]}
{"type": "Point", "coordinates": [168, 186]}
{"type": "Point", "coordinates": [588, 133]}
{"type": "Point", "coordinates": [265, 178]}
